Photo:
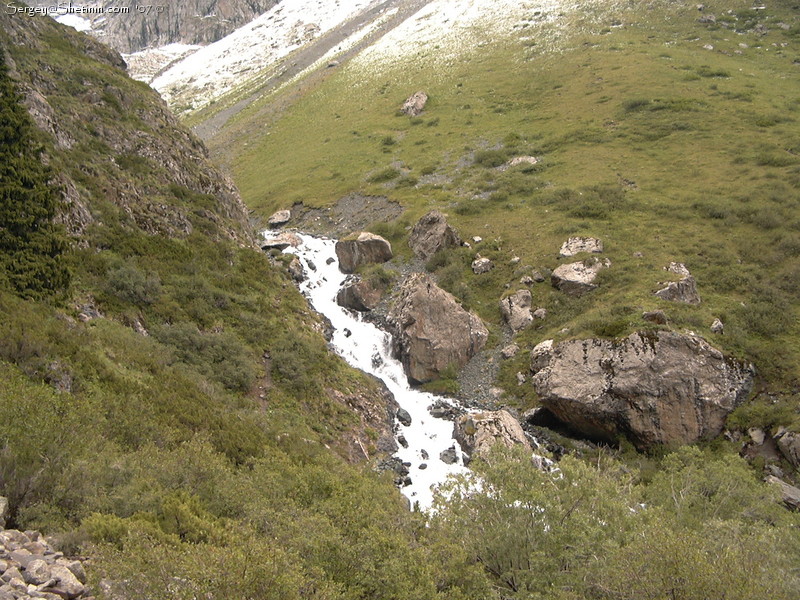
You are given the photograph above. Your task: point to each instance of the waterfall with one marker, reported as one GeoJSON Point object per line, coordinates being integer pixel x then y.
{"type": "Point", "coordinates": [366, 347]}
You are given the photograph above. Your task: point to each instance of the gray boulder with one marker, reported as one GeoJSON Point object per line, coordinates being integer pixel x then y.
{"type": "Point", "coordinates": [478, 433]}
{"type": "Point", "coordinates": [541, 355]}
{"type": "Point", "coordinates": [516, 309]}
{"type": "Point", "coordinates": [684, 290]}
{"type": "Point", "coordinates": [282, 241]}
{"type": "Point", "coordinates": [279, 218]}
{"type": "Point", "coordinates": [509, 351]}
{"type": "Point", "coordinates": [362, 248]}
{"type": "Point", "coordinates": [789, 494]}
{"type": "Point", "coordinates": [415, 104]}
{"type": "Point", "coordinates": [577, 278]}
{"type": "Point", "coordinates": [482, 265]}
{"type": "Point", "coordinates": [654, 388]}
{"type": "Point", "coordinates": [576, 245]}
{"type": "Point", "coordinates": [431, 234]}
{"type": "Point", "coordinates": [433, 332]}
{"type": "Point", "coordinates": [357, 294]}
{"type": "Point", "coordinates": [789, 445]}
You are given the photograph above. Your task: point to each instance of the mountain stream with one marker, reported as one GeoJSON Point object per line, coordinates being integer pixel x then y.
{"type": "Point", "coordinates": [366, 347]}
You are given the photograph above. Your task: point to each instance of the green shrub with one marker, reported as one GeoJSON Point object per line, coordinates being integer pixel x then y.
{"type": "Point", "coordinates": [130, 284]}
{"type": "Point", "coordinates": [490, 158]}
{"type": "Point", "coordinates": [383, 176]}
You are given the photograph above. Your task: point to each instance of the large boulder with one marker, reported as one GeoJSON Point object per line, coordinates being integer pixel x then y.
{"type": "Point", "coordinates": [357, 294]}
{"type": "Point", "coordinates": [516, 309]}
{"type": "Point", "coordinates": [577, 278]}
{"type": "Point", "coordinates": [433, 332]}
{"type": "Point", "coordinates": [281, 241]}
{"type": "Point", "coordinates": [415, 104]}
{"type": "Point", "coordinates": [478, 433]}
{"type": "Point", "coordinates": [362, 248]}
{"type": "Point", "coordinates": [279, 218]}
{"type": "Point", "coordinates": [654, 388]}
{"type": "Point", "coordinates": [431, 234]}
{"type": "Point", "coordinates": [789, 445]}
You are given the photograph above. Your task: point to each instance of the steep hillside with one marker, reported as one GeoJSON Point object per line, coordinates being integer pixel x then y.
{"type": "Point", "coordinates": [667, 130]}
{"type": "Point", "coordinates": [164, 389]}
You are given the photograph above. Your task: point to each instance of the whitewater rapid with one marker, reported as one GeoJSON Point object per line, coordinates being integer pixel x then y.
{"type": "Point", "coordinates": [366, 347]}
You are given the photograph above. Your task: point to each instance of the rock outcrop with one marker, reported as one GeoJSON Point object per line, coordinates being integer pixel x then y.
{"type": "Point", "coordinates": [279, 218]}
{"type": "Point", "coordinates": [357, 294]}
{"type": "Point", "coordinates": [478, 433]}
{"type": "Point", "coordinates": [684, 290]}
{"type": "Point", "coordinates": [516, 310]}
{"type": "Point", "coordinates": [431, 234]}
{"type": "Point", "coordinates": [31, 568]}
{"type": "Point", "coordinates": [789, 493]}
{"type": "Point", "coordinates": [362, 248]}
{"type": "Point", "coordinates": [576, 245]}
{"type": "Point", "coordinates": [415, 104]}
{"type": "Point", "coordinates": [654, 388]}
{"type": "Point", "coordinates": [789, 445]}
{"type": "Point", "coordinates": [282, 241]}
{"type": "Point", "coordinates": [433, 332]}
{"type": "Point", "coordinates": [577, 278]}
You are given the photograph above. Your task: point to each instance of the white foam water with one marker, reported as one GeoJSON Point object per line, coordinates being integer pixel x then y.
{"type": "Point", "coordinates": [366, 347]}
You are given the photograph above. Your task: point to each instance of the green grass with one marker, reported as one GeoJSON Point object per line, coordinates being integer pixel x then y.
{"type": "Point", "coordinates": [685, 154]}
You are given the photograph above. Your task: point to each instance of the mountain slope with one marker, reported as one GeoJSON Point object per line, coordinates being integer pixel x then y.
{"type": "Point", "coordinates": [667, 131]}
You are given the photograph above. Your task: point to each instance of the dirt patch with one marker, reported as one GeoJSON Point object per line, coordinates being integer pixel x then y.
{"type": "Point", "coordinates": [353, 212]}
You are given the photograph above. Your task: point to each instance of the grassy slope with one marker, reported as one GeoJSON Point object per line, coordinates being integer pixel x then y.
{"type": "Point", "coordinates": [647, 140]}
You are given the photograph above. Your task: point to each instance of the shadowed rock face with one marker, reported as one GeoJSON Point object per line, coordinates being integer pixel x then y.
{"type": "Point", "coordinates": [664, 388]}
{"type": "Point", "coordinates": [433, 331]}
{"type": "Point", "coordinates": [362, 249]}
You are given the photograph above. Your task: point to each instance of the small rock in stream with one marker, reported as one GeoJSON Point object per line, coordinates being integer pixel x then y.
{"type": "Point", "coordinates": [403, 417]}
{"type": "Point", "coordinates": [423, 466]}
{"type": "Point", "coordinates": [449, 456]}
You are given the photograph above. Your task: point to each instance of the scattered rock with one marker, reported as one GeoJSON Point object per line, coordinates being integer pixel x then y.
{"type": "Point", "coordinates": [576, 245]}
{"type": "Point", "coordinates": [449, 456]}
{"type": "Point", "coordinates": [281, 241]}
{"type": "Point", "coordinates": [477, 239]}
{"type": "Point", "coordinates": [279, 218]}
{"type": "Point", "coordinates": [444, 410]}
{"type": "Point", "coordinates": [509, 351]}
{"type": "Point", "coordinates": [521, 378]}
{"type": "Point", "coordinates": [515, 260]}
{"type": "Point", "coordinates": [655, 388]}
{"type": "Point", "coordinates": [656, 316]}
{"type": "Point", "coordinates": [30, 568]}
{"type": "Point", "coordinates": [403, 417]}
{"type": "Point", "coordinates": [684, 290]}
{"type": "Point", "coordinates": [415, 104]}
{"type": "Point", "coordinates": [423, 466]}
{"type": "Point", "coordinates": [526, 280]}
{"type": "Point", "coordinates": [540, 313]}
{"type": "Point", "coordinates": [477, 433]}
{"type": "Point", "coordinates": [433, 332]}
{"type": "Point", "coordinates": [717, 327]}
{"type": "Point", "coordinates": [757, 435]}
{"type": "Point", "coordinates": [516, 310]}
{"type": "Point", "coordinates": [357, 294]}
{"type": "Point", "coordinates": [3, 511]}
{"type": "Point", "coordinates": [362, 248]}
{"type": "Point", "coordinates": [431, 234]}
{"type": "Point", "coordinates": [482, 265]}
{"type": "Point", "coordinates": [522, 160]}
{"type": "Point", "coordinates": [330, 261]}
{"type": "Point", "coordinates": [296, 270]}
{"type": "Point", "coordinates": [789, 445]}
{"type": "Point", "coordinates": [789, 494]}
{"type": "Point", "coordinates": [707, 19]}
{"type": "Point", "coordinates": [576, 278]}
{"type": "Point", "coordinates": [537, 276]}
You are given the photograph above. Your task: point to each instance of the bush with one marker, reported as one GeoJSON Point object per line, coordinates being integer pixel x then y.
{"type": "Point", "coordinates": [490, 158]}
{"type": "Point", "coordinates": [130, 284]}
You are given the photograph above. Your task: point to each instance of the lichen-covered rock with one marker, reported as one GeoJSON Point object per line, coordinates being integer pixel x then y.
{"type": "Point", "coordinates": [279, 218]}
{"type": "Point", "coordinates": [654, 388]}
{"type": "Point", "coordinates": [516, 309]}
{"type": "Point", "coordinates": [576, 245]}
{"type": "Point", "coordinates": [360, 249]}
{"type": "Point", "coordinates": [478, 433]}
{"type": "Point", "coordinates": [482, 265]}
{"type": "Point", "coordinates": [433, 332]}
{"type": "Point", "coordinates": [431, 234]}
{"type": "Point", "coordinates": [684, 290]}
{"type": "Point", "coordinates": [577, 278]}
{"type": "Point", "coordinates": [789, 445]}
{"type": "Point", "coordinates": [415, 104]}
{"type": "Point", "coordinates": [541, 355]}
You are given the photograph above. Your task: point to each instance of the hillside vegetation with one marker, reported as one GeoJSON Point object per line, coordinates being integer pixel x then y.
{"type": "Point", "coordinates": [669, 138]}
{"type": "Point", "coordinates": [170, 409]}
